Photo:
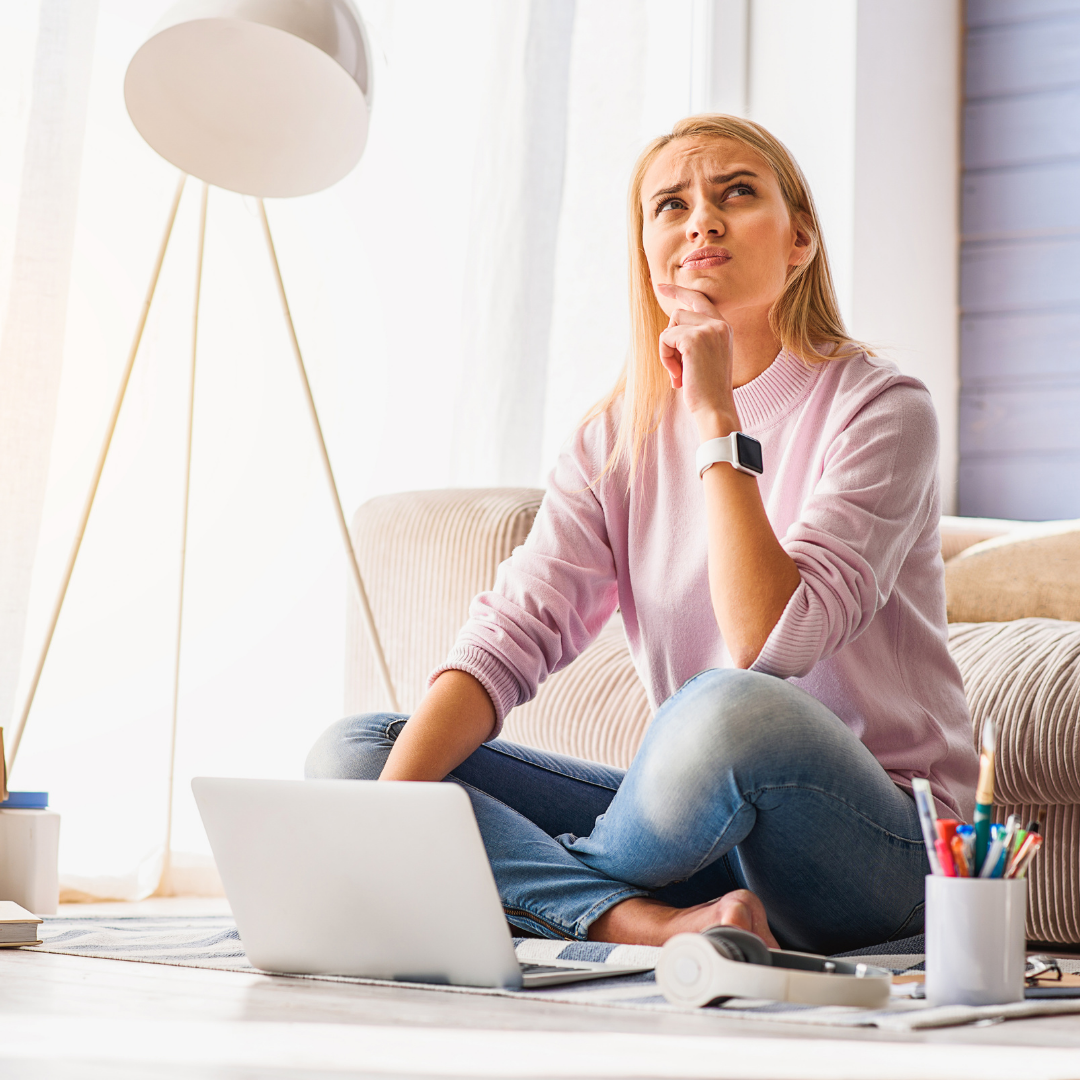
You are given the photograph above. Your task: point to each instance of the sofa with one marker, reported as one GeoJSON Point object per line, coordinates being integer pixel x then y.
{"type": "Point", "coordinates": [424, 555]}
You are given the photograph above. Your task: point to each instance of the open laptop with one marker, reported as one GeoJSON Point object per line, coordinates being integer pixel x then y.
{"type": "Point", "coordinates": [354, 877]}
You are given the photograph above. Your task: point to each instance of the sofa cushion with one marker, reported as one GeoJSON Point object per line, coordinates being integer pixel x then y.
{"type": "Point", "coordinates": [1031, 572]}
{"type": "Point", "coordinates": [1026, 675]}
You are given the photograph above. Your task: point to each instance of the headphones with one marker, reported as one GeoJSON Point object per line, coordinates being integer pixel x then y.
{"type": "Point", "coordinates": [725, 961]}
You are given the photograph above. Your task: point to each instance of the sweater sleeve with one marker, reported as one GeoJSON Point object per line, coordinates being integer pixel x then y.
{"type": "Point", "coordinates": [877, 489]}
{"type": "Point", "coordinates": [551, 597]}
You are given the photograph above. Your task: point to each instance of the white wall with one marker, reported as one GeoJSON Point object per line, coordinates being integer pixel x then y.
{"type": "Point", "coordinates": [866, 95]}
{"type": "Point", "coordinates": [907, 195]}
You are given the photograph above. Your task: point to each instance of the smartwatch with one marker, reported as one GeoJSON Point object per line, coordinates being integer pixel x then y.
{"type": "Point", "coordinates": [741, 452]}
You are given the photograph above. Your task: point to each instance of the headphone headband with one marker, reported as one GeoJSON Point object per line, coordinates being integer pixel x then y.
{"type": "Point", "coordinates": [696, 969]}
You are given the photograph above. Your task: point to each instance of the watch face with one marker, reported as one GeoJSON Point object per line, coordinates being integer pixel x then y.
{"type": "Point", "coordinates": [749, 453]}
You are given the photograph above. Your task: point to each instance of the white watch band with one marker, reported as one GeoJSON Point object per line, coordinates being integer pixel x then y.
{"type": "Point", "coordinates": [714, 451]}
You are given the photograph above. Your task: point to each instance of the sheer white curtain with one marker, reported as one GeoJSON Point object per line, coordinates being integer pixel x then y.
{"type": "Point", "coordinates": [460, 300]}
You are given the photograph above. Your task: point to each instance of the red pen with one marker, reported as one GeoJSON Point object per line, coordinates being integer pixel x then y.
{"type": "Point", "coordinates": [948, 867]}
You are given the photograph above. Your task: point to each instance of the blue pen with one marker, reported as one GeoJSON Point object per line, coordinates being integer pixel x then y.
{"type": "Point", "coordinates": [994, 864]}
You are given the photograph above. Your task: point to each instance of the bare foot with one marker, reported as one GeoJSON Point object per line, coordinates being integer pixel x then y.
{"type": "Point", "coordinates": [641, 921]}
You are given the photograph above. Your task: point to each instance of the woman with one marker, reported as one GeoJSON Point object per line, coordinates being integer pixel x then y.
{"type": "Point", "coordinates": [791, 625]}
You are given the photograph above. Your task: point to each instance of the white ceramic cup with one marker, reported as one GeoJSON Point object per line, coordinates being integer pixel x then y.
{"type": "Point", "coordinates": [975, 946]}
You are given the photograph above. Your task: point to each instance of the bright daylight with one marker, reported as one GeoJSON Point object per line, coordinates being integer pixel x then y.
{"type": "Point", "coordinates": [540, 539]}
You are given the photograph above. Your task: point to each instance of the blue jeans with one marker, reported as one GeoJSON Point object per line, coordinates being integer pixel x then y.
{"type": "Point", "coordinates": [743, 781]}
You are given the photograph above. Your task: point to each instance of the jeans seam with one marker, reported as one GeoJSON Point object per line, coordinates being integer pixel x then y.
{"type": "Point", "coordinates": [547, 769]}
{"type": "Point", "coordinates": [571, 931]}
{"type": "Point", "coordinates": [748, 799]}
{"type": "Point", "coordinates": [918, 843]}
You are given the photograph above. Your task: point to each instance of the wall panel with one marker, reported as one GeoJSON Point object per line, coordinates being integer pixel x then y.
{"type": "Point", "coordinates": [1020, 261]}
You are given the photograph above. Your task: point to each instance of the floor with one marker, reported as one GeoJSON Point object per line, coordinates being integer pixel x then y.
{"type": "Point", "coordinates": [75, 1017]}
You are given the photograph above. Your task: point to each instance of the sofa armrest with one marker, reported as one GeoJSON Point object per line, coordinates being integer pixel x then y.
{"type": "Point", "coordinates": [1026, 675]}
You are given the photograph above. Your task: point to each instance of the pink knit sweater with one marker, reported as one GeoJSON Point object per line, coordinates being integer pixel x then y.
{"type": "Point", "coordinates": [851, 489]}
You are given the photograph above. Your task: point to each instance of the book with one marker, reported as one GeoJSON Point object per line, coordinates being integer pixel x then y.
{"type": "Point", "coordinates": [17, 926]}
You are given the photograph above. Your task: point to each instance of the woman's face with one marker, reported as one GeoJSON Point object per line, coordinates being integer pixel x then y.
{"type": "Point", "coordinates": [715, 221]}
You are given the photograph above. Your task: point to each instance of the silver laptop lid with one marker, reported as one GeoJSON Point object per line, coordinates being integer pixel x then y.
{"type": "Point", "coordinates": [356, 877]}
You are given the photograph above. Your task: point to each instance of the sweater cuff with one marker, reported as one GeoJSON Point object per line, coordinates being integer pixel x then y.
{"type": "Point", "coordinates": [794, 645]}
{"type": "Point", "coordinates": [494, 676]}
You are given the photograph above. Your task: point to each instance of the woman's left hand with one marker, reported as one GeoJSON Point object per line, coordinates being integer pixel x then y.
{"type": "Point", "coordinates": [696, 350]}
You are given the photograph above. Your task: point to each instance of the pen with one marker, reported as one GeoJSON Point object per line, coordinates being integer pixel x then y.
{"type": "Point", "coordinates": [966, 833]}
{"type": "Point", "coordinates": [1031, 842]}
{"type": "Point", "coordinates": [924, 803]}
{"type": "Point", "coordinates": [1011, 827]}
{"type": "Point", "coordinates": [984, 793]}
{"type": "Point", "coordinates": [993, 856]}
{"type": "Point", "coordinates": [945, 859]}
{"type": "Point", "coordinates": [1025, 860]}
{"type": "Point", "coordinates": [962, 868]}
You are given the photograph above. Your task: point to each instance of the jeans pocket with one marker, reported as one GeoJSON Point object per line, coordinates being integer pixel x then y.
{"type": "Point", "coordinates": [911, 926]}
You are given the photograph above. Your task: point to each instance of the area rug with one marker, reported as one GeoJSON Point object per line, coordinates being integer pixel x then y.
{"type": "Point", "coordinates": [212, 942]}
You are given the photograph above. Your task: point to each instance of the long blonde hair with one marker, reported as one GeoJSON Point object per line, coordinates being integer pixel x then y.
{"type": "Point", "coordinates": [805, 317]}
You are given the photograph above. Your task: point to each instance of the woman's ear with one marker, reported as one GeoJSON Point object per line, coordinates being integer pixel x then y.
{"type": "Point", "coordinates": [802, 245]}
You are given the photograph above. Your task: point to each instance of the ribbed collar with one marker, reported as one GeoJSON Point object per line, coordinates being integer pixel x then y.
{"type": "Point", "coordinates": [776, 391]}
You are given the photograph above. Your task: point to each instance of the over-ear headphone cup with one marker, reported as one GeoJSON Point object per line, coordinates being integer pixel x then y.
{"type": "Point", "coordinates": [737, 944]}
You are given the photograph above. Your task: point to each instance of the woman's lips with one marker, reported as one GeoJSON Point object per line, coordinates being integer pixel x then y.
{"type": "Point", "coordinates": [703, 258]}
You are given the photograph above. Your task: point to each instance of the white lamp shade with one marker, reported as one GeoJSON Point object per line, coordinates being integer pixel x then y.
{"type": "Point", "coordinates": [263, 97]}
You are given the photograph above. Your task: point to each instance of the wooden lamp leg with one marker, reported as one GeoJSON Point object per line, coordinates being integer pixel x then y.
{"type": "Point", "coordinates": [354, 567]}
{"type": "Point", "coordinates": [80, 532]}
{"type": "Point", "coordinates": [167, 861]}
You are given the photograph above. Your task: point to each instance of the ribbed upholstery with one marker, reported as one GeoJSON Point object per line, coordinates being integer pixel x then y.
{"type": "Point", "coordinates": [595, 709]}
{"type": "Point", "coordinates": [1026, 675]}
{"type": "Point", "coordinates": [424, 555]}
{"type": "Point", "coordinates": [1054, 878]}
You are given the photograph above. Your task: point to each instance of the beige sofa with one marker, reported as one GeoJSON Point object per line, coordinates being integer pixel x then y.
{"type": "Point", "coordinates": [424, 555]}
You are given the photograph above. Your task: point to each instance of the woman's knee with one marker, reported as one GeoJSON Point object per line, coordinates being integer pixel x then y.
{"type": "Point", "coordinates": [735, 719]}
{"type": "Point", "coordinates": [355, 748]}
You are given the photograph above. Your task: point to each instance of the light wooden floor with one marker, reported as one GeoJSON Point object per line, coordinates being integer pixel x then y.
{"type": "Point", "coordinates": [75, 1017]}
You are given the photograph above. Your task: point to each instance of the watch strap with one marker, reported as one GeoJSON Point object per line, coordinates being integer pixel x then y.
{"type": "Point", "coordinates": [714, 451]}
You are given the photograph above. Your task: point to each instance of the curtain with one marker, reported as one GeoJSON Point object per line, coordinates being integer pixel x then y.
{"type": "Point", "coordinates": [45, 52]}
{"type": "Point", "coordinates": [460, 299]}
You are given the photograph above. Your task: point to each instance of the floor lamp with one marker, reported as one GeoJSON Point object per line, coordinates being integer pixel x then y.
{"type": "Point", "coordinates": [267, 98]}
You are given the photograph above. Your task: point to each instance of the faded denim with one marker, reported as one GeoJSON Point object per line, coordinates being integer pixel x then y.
{"type": "Point", "coordinates": [742, 781]}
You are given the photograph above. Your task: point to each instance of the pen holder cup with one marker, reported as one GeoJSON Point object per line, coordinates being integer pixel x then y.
{"type": "Point", "coordinates": [975, 945]}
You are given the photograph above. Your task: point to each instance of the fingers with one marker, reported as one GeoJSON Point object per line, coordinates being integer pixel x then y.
{"type": "Point", "coordinates": [671, 359]}
{"type": "Point", "coordinates": [691, 299]}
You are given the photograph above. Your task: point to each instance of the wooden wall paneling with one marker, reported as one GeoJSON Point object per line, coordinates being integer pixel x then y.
{"type": "Point", "coordinates": [1033, 198]}
{"type": "Point", "coordinates": [1020, 57]}
{"type": "Point", "coordinates": [1008, 419]}
{"type": "Point", "coordinates": [1019, 345]}
{"type": "Point", "coordinates": [1027, 487]}
{"type": "Point", "coordinates": [995, 12]}
{"type": "Point", "coordinates": [1037, 273]}
{"type": "Point", "coordinates": [1019, 424]}
{"type": "Point", "coordinates": [1022, 130]}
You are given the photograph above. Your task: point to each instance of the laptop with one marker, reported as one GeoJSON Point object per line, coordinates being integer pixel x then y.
{"type": "Point", "coordinates": [356, 877]}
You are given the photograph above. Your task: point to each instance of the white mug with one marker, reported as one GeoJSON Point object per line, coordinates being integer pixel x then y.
{"type": "Point", "coordinates": [975, 945]}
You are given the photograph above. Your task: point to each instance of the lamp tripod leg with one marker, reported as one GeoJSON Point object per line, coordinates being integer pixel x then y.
{"type": "Point", "coordinates": [166, 864]}
{"type": "Point", "coordinates": [354, 567]}
{"type": "Point", "coordinates": [80, 532]}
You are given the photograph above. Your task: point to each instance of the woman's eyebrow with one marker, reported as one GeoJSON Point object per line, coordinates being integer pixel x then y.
{"type": "Point", "coordinates": [723, 178]}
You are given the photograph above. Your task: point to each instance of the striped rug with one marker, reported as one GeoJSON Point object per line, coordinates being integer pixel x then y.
{"type": "Point", "coordinates": [211, 941]}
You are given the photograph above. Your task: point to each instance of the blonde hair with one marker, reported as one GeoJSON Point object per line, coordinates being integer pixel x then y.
{"type": "Point", "coordinates": [805, 317]}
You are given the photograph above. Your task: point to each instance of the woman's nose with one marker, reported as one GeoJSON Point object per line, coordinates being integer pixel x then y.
{"type": "Point", "coordinates": [704, 221]}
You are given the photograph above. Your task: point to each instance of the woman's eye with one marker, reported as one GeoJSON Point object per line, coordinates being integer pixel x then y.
{"type": "Point", "coordinates": [739, 189]}
{"type": "Point", "coordinates": [670, 204]}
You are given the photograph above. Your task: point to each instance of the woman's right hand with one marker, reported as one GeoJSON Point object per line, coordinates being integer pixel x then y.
{"type": "Point", "coordinates": [452, 721]}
